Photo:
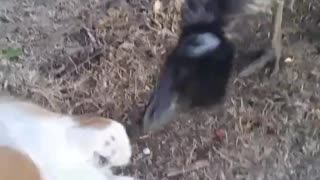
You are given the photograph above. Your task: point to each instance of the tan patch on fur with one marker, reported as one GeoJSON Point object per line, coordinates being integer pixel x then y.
{"type": "Point", "coordinates": [94, 122]}
{"type": "Point", "coordinates": [17, 166]}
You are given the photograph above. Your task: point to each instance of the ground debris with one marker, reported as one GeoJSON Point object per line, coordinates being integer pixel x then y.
{"type": "Point", "coordinates": [192, 167]}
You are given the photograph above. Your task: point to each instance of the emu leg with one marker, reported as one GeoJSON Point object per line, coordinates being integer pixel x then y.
{"type": "Point", "coordinates": [274, 53]}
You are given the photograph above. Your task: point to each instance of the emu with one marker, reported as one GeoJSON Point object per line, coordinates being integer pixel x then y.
{"type": "Point", "coordinates": [197, 71]}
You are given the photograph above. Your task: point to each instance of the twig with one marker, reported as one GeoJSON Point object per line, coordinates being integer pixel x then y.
{"type": "Point", "coordinates": [86, 59]}
{"type": "Point", "coordinates": [277, 34]}
{"type": "Point", "coordinates": [223, 156]}
{"type": "Point", "coordinates": [192, 167]}
{"type": "Point", "coordinates": [47, 96]}
{"type": "Point", "coordinates": [258, 64]}
{"type": "Point", "coordinates": [292, 5]}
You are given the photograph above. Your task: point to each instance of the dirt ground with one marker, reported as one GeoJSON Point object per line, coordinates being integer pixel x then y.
{"type": "Point", "coordinates": [102, 58]}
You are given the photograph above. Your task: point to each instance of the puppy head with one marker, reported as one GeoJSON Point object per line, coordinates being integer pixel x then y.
{"type": "Point", "coordinates": [109, 141]}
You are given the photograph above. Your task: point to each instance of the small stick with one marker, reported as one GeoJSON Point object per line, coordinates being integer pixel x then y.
{"type": "Point", "coordinates": [192, 167]}
{"type": "Point", "coordinates": [258, 64]}
{"type": "Point", "coordinates": [292, 5]}
{"type": "Point", "coordinates": [277, 35]}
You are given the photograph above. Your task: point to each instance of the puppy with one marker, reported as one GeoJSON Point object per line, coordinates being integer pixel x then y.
{"type": "Point", "coordinates": [37, 144]}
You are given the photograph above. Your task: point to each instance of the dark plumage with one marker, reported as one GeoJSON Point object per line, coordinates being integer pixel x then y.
{"type": "Point", "coordinates": [197, 71]}
{"type": "Point", "coordinates": [200, 80]}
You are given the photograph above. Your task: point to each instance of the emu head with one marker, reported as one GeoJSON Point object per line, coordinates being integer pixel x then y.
{"type": "Point", "coordinates": [195, 74]}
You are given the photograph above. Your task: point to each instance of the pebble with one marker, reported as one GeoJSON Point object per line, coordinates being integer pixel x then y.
{"type": "Point", "coordinates": [146, 151]}
{"type": "Point", "coordinates": [157, 6]}
{"type": "Point", "coordinates": [288, 60]}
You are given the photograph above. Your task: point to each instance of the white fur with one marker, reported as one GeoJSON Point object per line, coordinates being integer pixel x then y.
{"type": "Point", "coordinates": [60, 148]}
{"type": "Point", "coordinates": [205, 42]}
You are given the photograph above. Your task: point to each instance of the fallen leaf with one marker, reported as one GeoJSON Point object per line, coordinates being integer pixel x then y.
{"type": "Point", "coordinates": [11, 53]}
{"type": "Point", "coordinates": [220, 134]}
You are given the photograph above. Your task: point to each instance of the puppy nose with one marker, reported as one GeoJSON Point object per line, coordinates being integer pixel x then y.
{"type": "Point", "coordinates": [102, 160]}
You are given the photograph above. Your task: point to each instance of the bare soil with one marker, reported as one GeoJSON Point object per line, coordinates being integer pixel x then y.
{"type": "Point", "coordinates": [101, 57]}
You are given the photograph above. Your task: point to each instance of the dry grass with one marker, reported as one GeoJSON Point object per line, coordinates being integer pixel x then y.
{"type": "Point", "coordinates": [102, 58]}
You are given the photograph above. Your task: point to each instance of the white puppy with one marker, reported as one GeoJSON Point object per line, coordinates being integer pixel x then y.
{"type": "Point", "coordinates": [37, 144]}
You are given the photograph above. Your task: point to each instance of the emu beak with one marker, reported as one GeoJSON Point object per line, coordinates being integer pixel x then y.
{"type": "Point", "coordinates": [162, 105]}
